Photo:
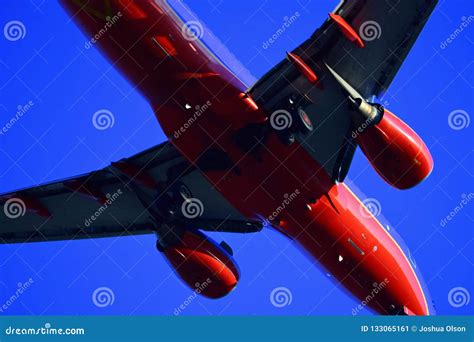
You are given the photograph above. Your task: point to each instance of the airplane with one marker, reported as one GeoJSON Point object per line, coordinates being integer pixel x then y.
{"type": "Point", "coordinates": [243, 157]}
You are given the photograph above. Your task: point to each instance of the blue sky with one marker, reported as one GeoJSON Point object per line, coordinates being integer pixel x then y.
{"type": "Point", "coordinates": [56, 139]}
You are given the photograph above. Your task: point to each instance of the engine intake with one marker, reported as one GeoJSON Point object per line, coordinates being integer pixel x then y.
{"type": "Point", "coordinates": [203, 265]}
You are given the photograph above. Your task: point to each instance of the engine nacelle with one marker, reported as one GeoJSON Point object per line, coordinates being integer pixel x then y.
{"type": "Point", "coordinates": [203, 265]}
{"type": "Point", "coordinates": [396, 152]}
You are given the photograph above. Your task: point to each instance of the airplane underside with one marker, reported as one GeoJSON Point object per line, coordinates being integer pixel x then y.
{"type": "Point", "coordinates": [241, 158]}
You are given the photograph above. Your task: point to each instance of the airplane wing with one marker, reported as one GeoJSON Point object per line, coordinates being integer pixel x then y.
{"type": "Point", "coordinates": [370, 69]}
{"type": "Point", "coordinates": [132, 196]}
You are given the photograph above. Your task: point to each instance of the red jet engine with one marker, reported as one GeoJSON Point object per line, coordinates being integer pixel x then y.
{"type": "Point", "coordinates": [206, 267]}
{"type": "Point", "coordinates": [396, 152]}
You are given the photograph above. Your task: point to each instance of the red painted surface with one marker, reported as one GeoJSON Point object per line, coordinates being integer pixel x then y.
{"type": "Point", "coordinates": [204, 266]}
{"type": "Point", "coordinates": [167, 46]}
{"type": "Point", "coordinates": [336, 226]}
{"type": "Point", "coordinates": [249, 101]}
{"type": "Point", "coordinates": [347, 30]}
{"type": "Point", "coordinates": [396, 152]}
{"type": "Point", "coordinates": [304, 68]}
